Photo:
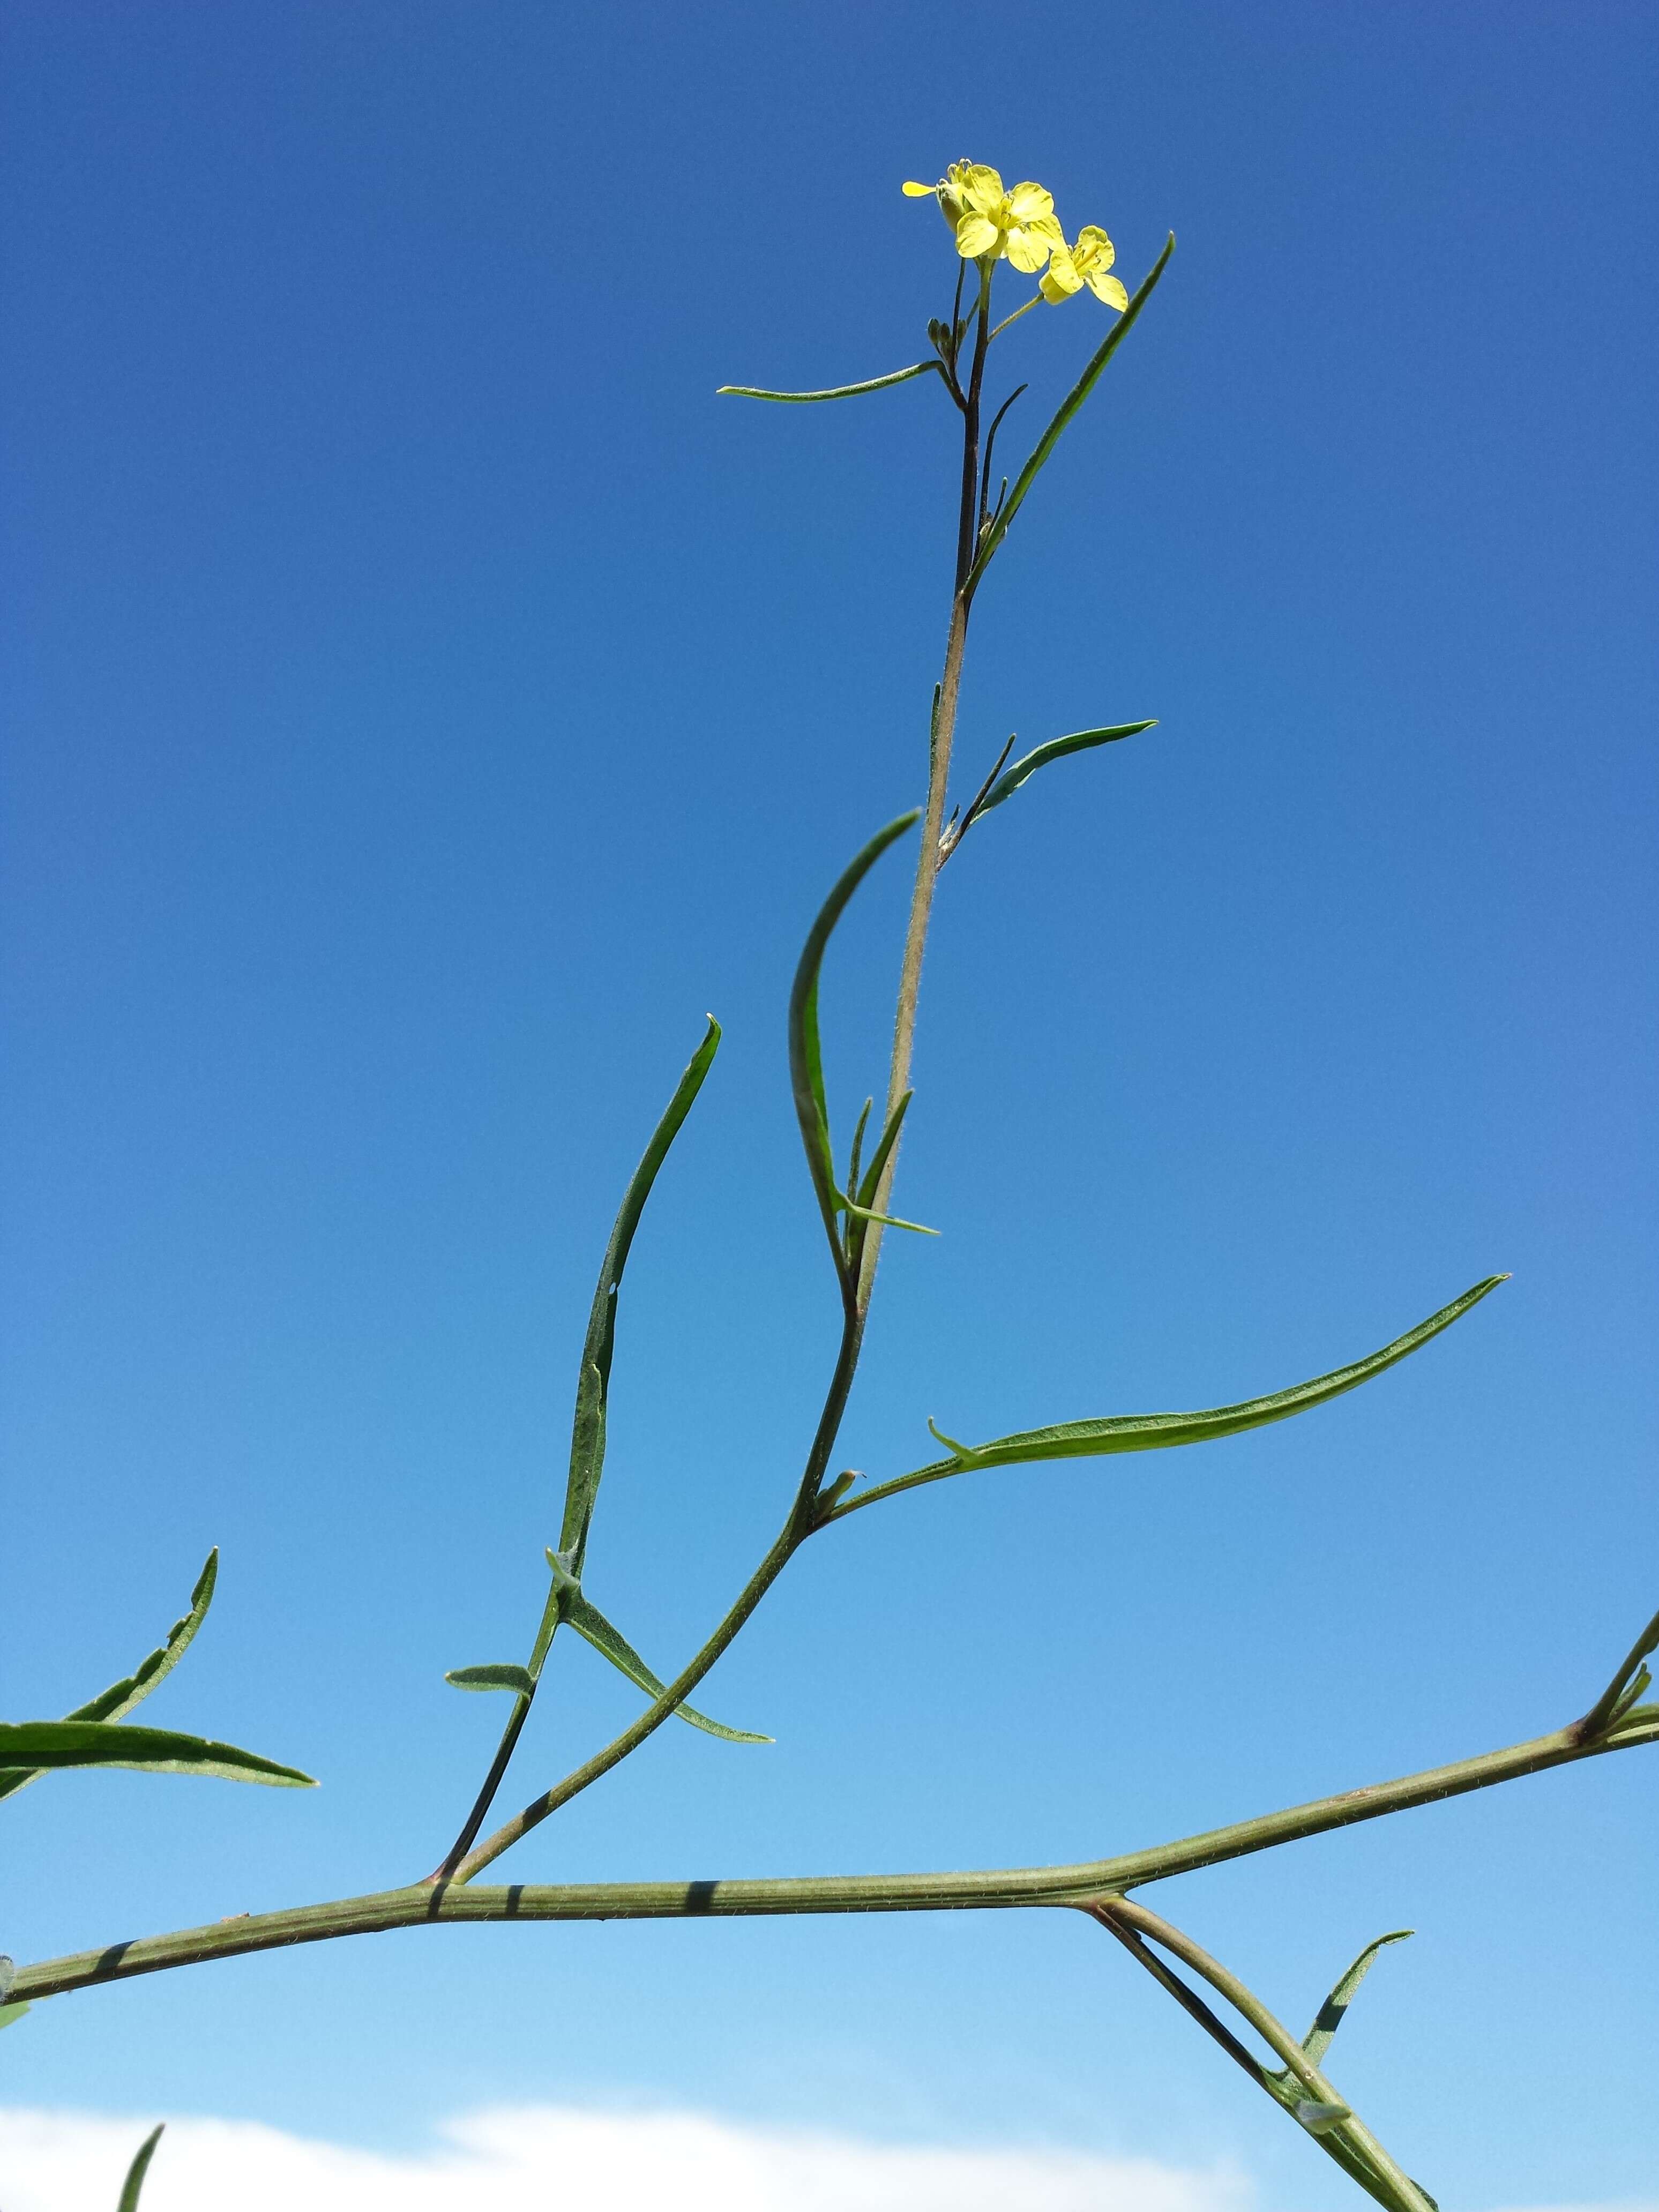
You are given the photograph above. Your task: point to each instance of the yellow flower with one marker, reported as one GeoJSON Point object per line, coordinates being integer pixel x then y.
{"type": "Point", "coordinates": [992, 224]}
{"type": "Point", "coordinates": [1089, 262]}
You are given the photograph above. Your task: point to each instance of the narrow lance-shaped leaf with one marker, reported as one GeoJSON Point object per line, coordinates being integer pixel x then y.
{"type": "Point", "coordinates": [805, 1053]}
{"type": "Point", "coordinates": [865, 1191]}
{"type": "Point", "coordinates": [1068, 407]}
{"type": "Point", "coordinates": [593, 1379]}
{"type": "Point", "coordinates": [1317, 2041]}
{"type": "Point", "coordinates": [150, 1750]}
{"type": "Point", "coordinates": [589, 1621]}
{"type": "Point", "coordinates": [515, 1679]}
{"type": "Point", "coordinates": [1127, 1432]}
{"type": "Point", "coordinates": [857, 1153]}
{"type": "Point", "coordinates": [134, 2186]}
{"type": "Point", "coordinates": [1056, 748]}
{"type": "Point", "coordinates": [115, 1702]}
{"type": "Point", "coordinates": [839, 390]}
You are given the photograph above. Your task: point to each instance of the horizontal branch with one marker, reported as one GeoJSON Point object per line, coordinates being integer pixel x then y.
{"type": "Point", "coordinates": [422, 1905]}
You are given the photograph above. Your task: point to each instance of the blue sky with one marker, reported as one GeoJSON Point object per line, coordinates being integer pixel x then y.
{"type": "Point", "coordinates": [424, 699]}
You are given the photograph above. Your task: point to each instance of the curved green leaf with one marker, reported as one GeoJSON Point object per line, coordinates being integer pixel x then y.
{"type": "Point", "coordinates": [1126, 1432]}
{"type": "Point", "coordinates": [805, 1053]}
{"type": "Point", "coordinates": [55, 1744]}
{"type": "Point", "coordinates": [1068, 408]}
{"type": "Point", "coordinates": [114, 1703]}
{"type": "Point", "coordinates": [8, 2013]}
{"type": "Point", "coordinates": [593, 1377]}
{"type": "Point", "coordinates": [840, 392]}
{"type": "Point", "coordinates": [134, 2185]}
{"type": "Point", "coordinates": [585, 1617]}
{"type": "Point", "coordinates": [1056, 748]}
{"type": "Point", "coordinates": [516, 1678]}
{"type": "Point", "coordinates": [1317, 2041]}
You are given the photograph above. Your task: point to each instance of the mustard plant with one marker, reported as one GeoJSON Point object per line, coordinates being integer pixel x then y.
{"type": "Point", "coordinates": [993, 232]}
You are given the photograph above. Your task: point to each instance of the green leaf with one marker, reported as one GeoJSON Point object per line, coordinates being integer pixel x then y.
{"type": "Point", "coordinates": [1126, 1432]}
{"type": "Point", "coordinates": [152, 1751]}
{"type": "Point", "coordinates": [1056, 748]}
{"type": "Point", "coordinates": [856, 1155]}
{"type": "Point", "coordinates": [516, 1678]}
{"type": "Point", "coordinates": [805, 1053]}
{"type": "Point", "coordinates": [115, 1702]}
{"type": "Point", "coordinates": [1068, 407]}
{"type": "Point", "coordinates": [841, 391]}
{"type": "Point", "coordinates": [866, 1190]}
{"type": "Point", "coordinates": [133, 2188]}
{"type": "Point", "coordinates": [1613, 1708]}
{"type": "Point", "coordinates": [593, 1377]}
{"type": "Point", "coordinates": [11, 2012]}
{"type": "Point", "coordinates": [1317, 2041]}
{"type": "Point", "coordinates": [589, 1621]}
{"type": "Point", "coordinates": [887, 1220]}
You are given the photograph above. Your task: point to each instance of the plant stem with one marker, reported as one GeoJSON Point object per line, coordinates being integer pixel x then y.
{"type": "Point", "coordinates": [799, 1526]}
{"type": "Point", "coordinates": [463, 1843]}
{"type": "Point", "coordinates": [1353, 2147]}
{"type": "Point", "coordinates": [942, 738]}
{"type": "Point", "coordinates": [465, 1861]}
{"type": "Point", "coordinates": [422, 1905]}
{"type": "Point", "coordinates": [1120, 1912]}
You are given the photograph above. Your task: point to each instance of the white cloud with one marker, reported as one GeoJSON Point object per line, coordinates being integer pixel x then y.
{"type": "Point", "coordinates": [537, 2157]}
{"type": "Point", "coordinates": [547, 2157]}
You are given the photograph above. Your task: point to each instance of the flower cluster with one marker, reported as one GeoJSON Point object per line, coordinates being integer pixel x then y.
{"type": "Point", "coordinates": [1019, 226]}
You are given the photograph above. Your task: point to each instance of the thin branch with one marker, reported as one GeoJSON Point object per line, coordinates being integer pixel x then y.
{"type": "Point", "coordinates": [803, 1522]}
{"type": "Point", "coordinates": [1187, 1999]}
{"type": "Point", "coordinates": [1017, 313]}
{"type": "Point", "coordinates": [1350, 2143]}
{"type": "Point", "coordinates": [1119, 1912]}
{"type": "Point", "coordinates": [419, 1904]}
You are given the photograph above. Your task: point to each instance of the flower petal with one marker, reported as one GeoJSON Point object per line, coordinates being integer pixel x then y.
{"type": "Point", "coordinates": [920, 192]}
{"type": "Point", "coordinates": [1061, 275]}
{"type": "Point", "coordinates": [1027, 202]}
{"type": "Point", "coordinates": [1108, 288]}
{"type": "Point", "coordinates": [1028, 249]}
{"type": "Point", "coordinates": [976, 235]}
{"type": "Point", "coordinates": [980, 187]}
{"type": "Point", "coordinates": [1094, 244]}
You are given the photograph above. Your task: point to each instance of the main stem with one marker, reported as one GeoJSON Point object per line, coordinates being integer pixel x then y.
{"type": "Point", "coordinates": [465, 1859]}
{"type": "Point", "coordinates": [422, 1904]}
{"type": "Point", "coordinates": [941, 739]}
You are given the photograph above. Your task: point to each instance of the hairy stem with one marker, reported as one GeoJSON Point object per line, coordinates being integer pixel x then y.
{"type": "Point", "coordinates": [941, 739]}
{"type": "Point", "coordinates": [422, 1905]}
